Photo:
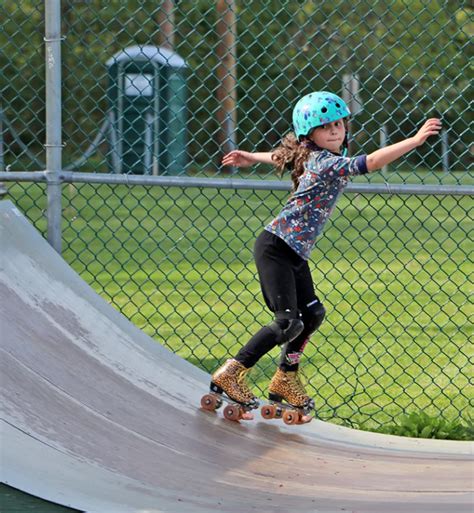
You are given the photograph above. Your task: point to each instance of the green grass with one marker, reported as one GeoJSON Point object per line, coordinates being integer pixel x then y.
{"type": "Point", "coordinates": [393, 273]}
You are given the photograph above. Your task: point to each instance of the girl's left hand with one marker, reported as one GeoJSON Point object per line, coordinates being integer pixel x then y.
{"type": "Point", "coordinates": [239, 158]}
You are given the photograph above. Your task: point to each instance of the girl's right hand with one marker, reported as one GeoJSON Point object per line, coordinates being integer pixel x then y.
{"type": "Point", "coordinates": [431, 127]}
{"type": "Point", "coordinates": [239, 158]}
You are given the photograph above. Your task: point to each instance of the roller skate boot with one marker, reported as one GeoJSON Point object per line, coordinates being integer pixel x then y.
{"type": "Point", "coordinates": [288, 399]}
{"type": "Point", "coordinates": [228, 385]}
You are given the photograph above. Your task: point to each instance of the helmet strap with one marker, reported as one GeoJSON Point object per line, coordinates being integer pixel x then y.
{"type": "Point", "coordinates": [345, 144]}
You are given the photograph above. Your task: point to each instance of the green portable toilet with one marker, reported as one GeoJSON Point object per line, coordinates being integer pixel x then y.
{"type": "Point", "coordinates": [147, 116]}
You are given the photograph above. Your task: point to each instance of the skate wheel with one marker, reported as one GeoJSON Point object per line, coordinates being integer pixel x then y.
{"type": "Point", "coordinates": [290, 417]}
{"type": "Point", "coordinates": [210, 402]}
{"type": "Point", "coordinates": [232, 412]}
{"type": "Point", "coordinates": [268, 411]}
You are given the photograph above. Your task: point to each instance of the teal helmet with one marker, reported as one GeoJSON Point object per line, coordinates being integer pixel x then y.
{"type": "Point", "coordinates": [316, 109]}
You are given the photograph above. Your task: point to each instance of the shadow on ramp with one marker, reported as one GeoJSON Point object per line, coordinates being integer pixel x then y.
{"type": "Point", "coordinates": [99, 417]}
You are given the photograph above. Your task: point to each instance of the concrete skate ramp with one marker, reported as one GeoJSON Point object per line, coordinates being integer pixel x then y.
{"type": "Point", "coordinates": [99, 417]}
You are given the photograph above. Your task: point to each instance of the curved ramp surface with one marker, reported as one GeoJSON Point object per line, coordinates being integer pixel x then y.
{"type": "Point", "coordinates": [99, 417]}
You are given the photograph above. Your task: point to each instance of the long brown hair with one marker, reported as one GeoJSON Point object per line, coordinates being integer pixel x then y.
{"type": "Point", "coordinates": [291, 155]}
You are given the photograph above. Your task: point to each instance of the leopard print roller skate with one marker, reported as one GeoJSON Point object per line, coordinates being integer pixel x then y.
{"type": "Point", "coordinates": [288, 399]}
{"type": "Point", "coordinates": [228, 385]}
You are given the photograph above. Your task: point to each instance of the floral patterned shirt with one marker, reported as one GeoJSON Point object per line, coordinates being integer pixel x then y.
{"type": "Point", "coordinates": [303, 217]}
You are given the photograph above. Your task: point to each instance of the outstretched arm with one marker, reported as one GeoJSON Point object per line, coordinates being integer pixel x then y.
{"type": "Point", "coordinates": [384, 156]}
{"type": "Point", "coordinates": [239, 158]}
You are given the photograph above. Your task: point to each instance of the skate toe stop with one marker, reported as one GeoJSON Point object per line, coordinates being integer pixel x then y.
{"type": "Point", "coordinates": [304, 419]}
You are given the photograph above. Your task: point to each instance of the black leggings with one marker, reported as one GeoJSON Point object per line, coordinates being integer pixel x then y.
{"type": "Point", "coordinates": [288, 291]}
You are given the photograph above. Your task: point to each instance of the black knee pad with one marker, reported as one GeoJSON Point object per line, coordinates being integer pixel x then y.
{"type": "Point", "coordinates": [286, 330]}
{"type": "Point", "coordinates": [313, 316]}
{"type": "Point", "coordinates": [291, 352]}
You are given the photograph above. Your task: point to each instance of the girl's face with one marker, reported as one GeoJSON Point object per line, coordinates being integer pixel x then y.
{"type": "Point", "coordinates": [330, 136]}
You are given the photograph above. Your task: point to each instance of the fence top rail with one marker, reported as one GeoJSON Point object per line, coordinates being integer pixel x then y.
{"type": "Point", "coordinates": [225, 183]}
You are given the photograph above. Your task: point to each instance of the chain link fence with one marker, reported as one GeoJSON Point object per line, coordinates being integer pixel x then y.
{"type": "Point", "coordinates": [154, 93]}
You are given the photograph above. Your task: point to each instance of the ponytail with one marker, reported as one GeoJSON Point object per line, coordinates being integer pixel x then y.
{"type": "Point", "coordinates": [292, 155]}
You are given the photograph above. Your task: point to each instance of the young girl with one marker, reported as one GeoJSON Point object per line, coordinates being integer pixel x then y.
{"type": "Point", "coordinates": [319, 172]}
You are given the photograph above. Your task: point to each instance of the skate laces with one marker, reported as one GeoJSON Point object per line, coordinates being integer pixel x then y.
{"type": "Point", "coordinates": [296, 385]}
{"type": "Point", "coordinates": [242, 374]}
{"type": "Point", "coordinates": [242, 383]}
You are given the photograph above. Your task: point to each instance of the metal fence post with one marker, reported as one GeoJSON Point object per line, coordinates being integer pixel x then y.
{"type": "Point", "coordinates": [383, 143]}
{"type": "Point", "coordinates": [2, 160]}
{"type": "Point", "coordinates": [445, 150]}
{"type": "Point", "coordinates": [53, 119]}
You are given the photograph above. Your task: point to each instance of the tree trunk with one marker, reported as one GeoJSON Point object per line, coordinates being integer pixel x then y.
{"type": "Point", "coordinates": [164, 18]}
{"type": "Point", "coordinates": [226, 74]}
